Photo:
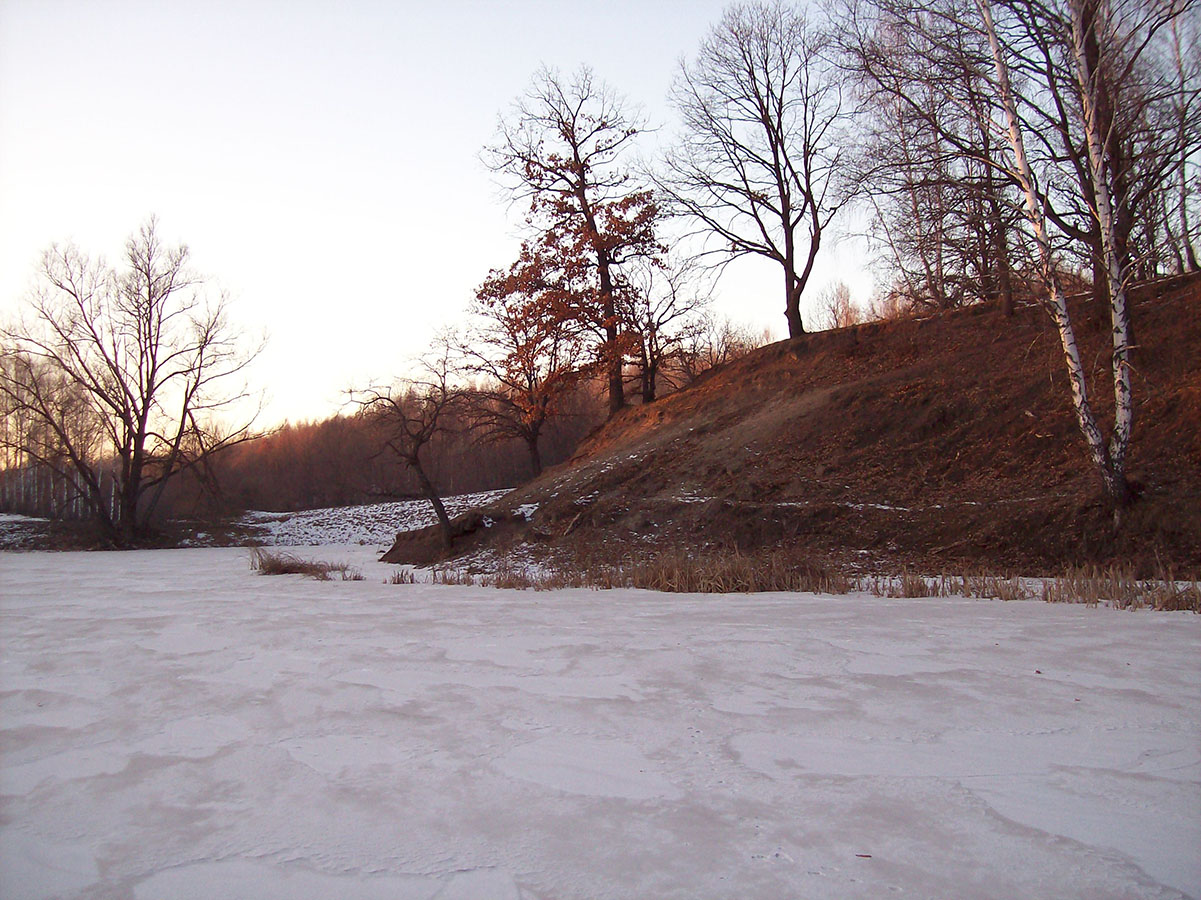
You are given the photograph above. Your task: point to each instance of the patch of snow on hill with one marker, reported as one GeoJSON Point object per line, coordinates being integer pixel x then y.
{"type": "Point", "coordinates": [373, 523]}
{"type": "Point", "coordinates": [19, 532]}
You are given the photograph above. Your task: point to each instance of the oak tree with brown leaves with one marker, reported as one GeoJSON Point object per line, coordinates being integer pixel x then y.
{"type": "Point", "coordinates": [531, 351]}
{"type": "Point", "coordinates": [563, 149]}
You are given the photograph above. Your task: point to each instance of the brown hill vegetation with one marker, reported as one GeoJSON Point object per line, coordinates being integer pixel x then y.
{"type": "Point", "coordinates": [946, 443]}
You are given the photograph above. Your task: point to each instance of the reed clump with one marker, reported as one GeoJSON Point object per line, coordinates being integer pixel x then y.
{"type": "Point", "coordinates": [269, 562]}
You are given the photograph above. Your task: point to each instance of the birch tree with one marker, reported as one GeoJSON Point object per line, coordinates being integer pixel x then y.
{"type": "Point", "coordinates": [1108, 463]}
{"type": "Point", "coordinates": [1104, 44]}
{"type": "Point", "coordinates": [1076, 89]}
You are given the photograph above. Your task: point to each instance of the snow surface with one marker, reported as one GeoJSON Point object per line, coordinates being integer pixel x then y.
{"type": "Point", "coordinates": [173, 725]}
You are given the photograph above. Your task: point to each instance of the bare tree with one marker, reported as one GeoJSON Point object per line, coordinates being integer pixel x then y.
{"type": "Point", "coordinates": [941, 212]}
{"type": "Point", "coordinates": [715, 342]}
{"type": "Point", "coordinates": [125, 370]}
{"type": "Point", "coordinates": [664, 306]}
{"type": "Point", "coordinates": [758, 165]}
{"type": "Point", "coordinates": [410, 413]}
{"type": "Point", "coordinates": [563, 148]}
{"type": "Point", "coordinates": [837, 309]}
{"type": "Point", "coordinates": [1129, 101]}
{"type": "Point", "coordinates": [1179, 219]}
{"type": "Point", "coordinates": [39, 476]}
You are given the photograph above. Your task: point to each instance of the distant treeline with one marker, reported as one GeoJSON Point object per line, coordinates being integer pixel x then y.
{"type": "Point", "coordinates": [341, 461]}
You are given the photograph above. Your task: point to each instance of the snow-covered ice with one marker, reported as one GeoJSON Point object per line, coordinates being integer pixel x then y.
{"type": "Point", "coordinates": [174, 725]}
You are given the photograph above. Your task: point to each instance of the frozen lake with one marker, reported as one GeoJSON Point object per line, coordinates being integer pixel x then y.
{"type": "Point", "coordinates": [173, 725]}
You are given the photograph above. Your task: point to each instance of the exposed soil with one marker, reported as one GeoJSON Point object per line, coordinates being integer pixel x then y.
{"type": "Point", "coordinates": [947, 443]}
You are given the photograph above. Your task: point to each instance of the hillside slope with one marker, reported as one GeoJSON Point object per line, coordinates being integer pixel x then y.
{"type": "Point", "coordinates": [945, 443]}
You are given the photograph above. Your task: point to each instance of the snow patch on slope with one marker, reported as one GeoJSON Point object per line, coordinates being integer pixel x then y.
{"type": "Point", "coordinates": [373, 523]}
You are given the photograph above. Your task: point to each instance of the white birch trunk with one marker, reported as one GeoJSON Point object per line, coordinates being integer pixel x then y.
{"type": "Point", "coordinates": [1097, 164]}
{"type": "Point", "coordinates": [1055, 301]}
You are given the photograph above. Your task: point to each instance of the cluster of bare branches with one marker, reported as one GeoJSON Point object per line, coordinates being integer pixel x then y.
{"type": "Point", "coordinates": [409, 414]}
{"type": "Point", "coordinates": [117, 380]}
{"type": "Point", "coordinates": [759, 168]}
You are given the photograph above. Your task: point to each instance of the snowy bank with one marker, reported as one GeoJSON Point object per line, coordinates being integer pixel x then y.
{"type": "Point", "coordinates": [371, 523]}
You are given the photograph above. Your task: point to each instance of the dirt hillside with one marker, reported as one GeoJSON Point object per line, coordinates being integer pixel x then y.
{"type": "Point", "coordinates": [947, 443]}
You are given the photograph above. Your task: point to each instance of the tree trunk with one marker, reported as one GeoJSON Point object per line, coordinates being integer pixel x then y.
{"type": "Point", "coordinates": [128, 526]}
{"type": "Point", "coordinates": [431, 494]}
{"type": "Point", "coordinates": [1186, 233]}
{"type": "Point", "coordinates": [1112, 478]}
{"type": "Point", "coordinates": [1100, 278]}
{"type": "Point", "coordinates": [650, 370]}
{"type": "Point", "coordinates": [996, 224]}
{"type": "Point", "coordinates": [612, 350]}
{"type": "Point", "coordinates": [617, 397]}
{"type": "Point", "coordinates": [792, 309]}
{"type": "Point", "coordinates": [1005, 274]}
{"type": "Point", "coordinates": [531, 443]}
{"type": "Point", "coordinates": [1084, 34]}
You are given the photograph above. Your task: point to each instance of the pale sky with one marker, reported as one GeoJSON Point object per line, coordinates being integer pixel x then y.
{"type": "Point", "coordinates": [320, 159]}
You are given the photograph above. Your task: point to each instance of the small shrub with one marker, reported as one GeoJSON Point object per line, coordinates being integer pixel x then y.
{"type": "Point", "coordinates": [402, 576]}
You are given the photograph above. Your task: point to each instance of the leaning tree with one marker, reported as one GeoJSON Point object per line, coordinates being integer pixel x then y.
{"type": "Point", "coordinates": [410, 413]}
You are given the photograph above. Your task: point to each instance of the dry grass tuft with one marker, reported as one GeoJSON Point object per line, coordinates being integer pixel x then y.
{"type": "Point", "coordinates": [995, 587]}
{"type": "Point", "coordinates": [1117, 587]}
{"type": "Point", "coordinates": [508, 576]}
{"type": "Point", "coordinates": [985, 587]}
{"type": "Point", "coordinates": [450, 575]}
{"type": "Point", "coordinates": [732, 572]}
{"type": "Point", "coordinates": [910, 584]}
{"type": "Point", "coordinates": [713, 572]}
{"type": "Point", "coordinates": [267, 562]}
